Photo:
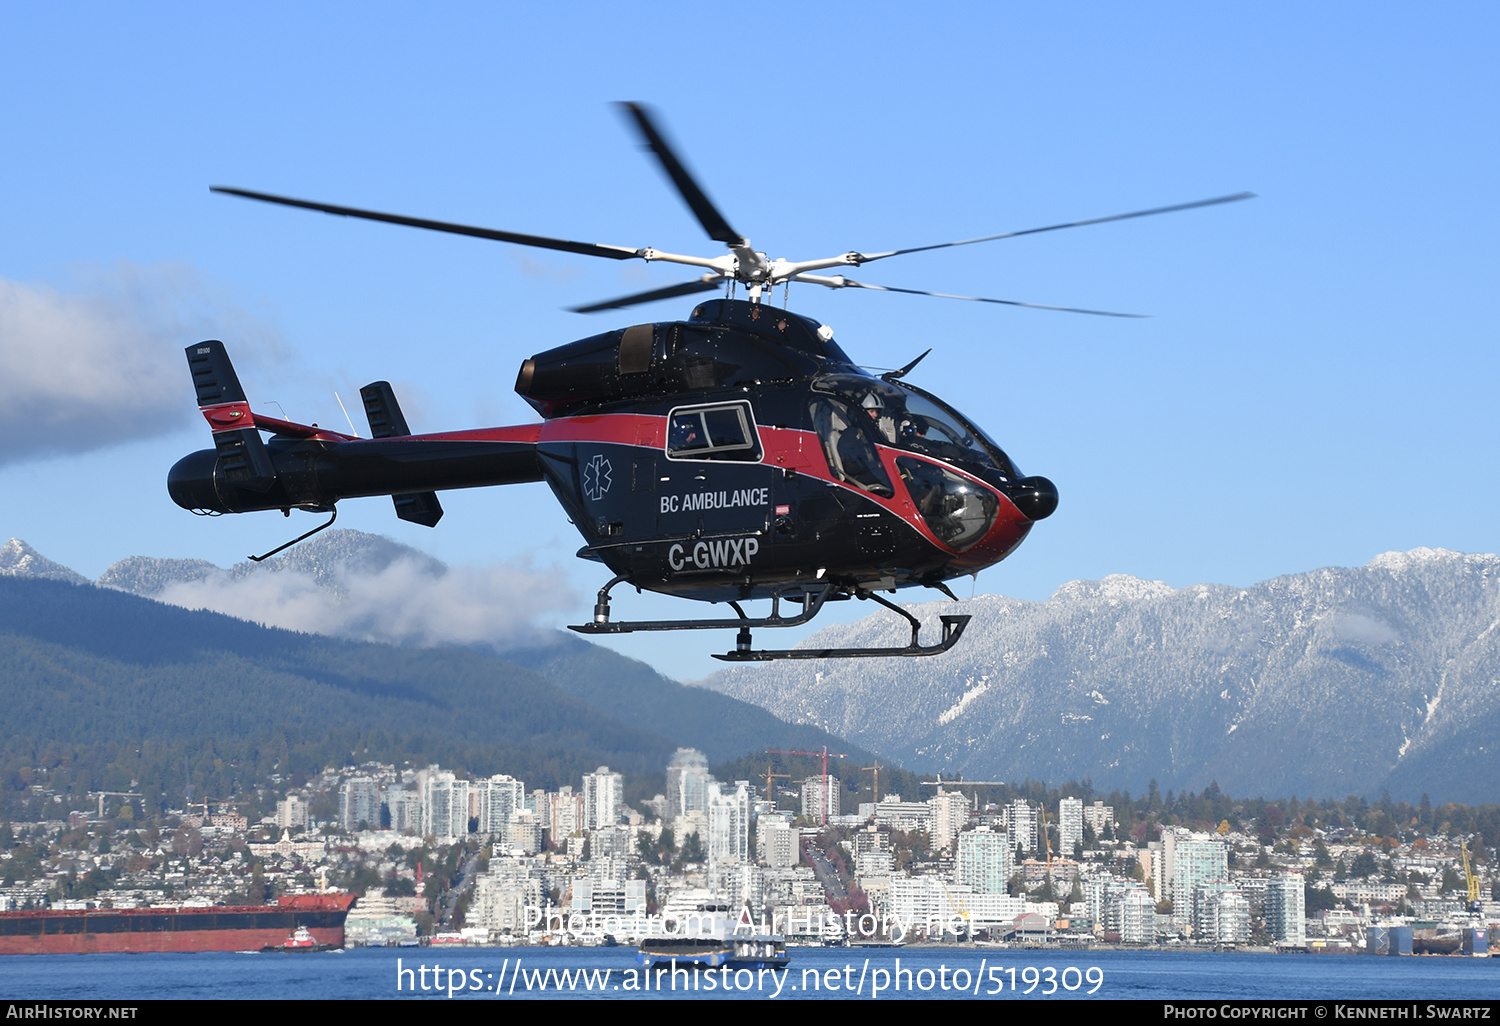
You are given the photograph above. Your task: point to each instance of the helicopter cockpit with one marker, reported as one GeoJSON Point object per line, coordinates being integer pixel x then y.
{"type": "Point", "coordinates": [853, 413]}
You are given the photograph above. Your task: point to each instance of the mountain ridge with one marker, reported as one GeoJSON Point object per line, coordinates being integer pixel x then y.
{"type": "Point", "coordinates": [1332, 681]}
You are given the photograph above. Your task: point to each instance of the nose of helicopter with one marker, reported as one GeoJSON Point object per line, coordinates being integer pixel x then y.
{"type": "Point", "coordinates": [1035, 497]}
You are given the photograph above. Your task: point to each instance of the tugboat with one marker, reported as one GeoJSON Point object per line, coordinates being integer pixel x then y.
{"type": "Point", "coordinates": [301, 939]}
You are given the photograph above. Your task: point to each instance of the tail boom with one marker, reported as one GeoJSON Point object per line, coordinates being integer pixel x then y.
{"type": "Point", "coordinates": [308, 467]}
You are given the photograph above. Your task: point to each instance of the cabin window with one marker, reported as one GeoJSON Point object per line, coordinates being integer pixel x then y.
{"type": "Point", "coordinates": [721, 431]}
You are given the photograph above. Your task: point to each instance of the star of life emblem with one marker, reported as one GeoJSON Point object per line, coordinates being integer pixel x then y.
{"type": "Point", "coordinates": [596, 477]}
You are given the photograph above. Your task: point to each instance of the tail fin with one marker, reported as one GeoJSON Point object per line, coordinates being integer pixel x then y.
{"type": "Point", "coordinates": [386, 421]}
{"type": "Point", "coordinates": [243, 460]}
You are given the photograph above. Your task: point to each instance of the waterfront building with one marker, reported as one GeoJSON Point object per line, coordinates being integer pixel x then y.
{"type": "Point", "coordinates": [1130, 912]}
{"type": "Point", "coordinates": [1285, 909]}
{"type": "Point", "coordinates": [1222, 913]}
{"type": "Point", "coordinates": [931, 906]}
{"type": "Point", "coordinates": [502, 893]}
{"type": "Point", "coordinates": [1189, 860]}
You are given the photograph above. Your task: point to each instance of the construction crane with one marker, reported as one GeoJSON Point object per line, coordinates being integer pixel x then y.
{"type": "Point", "coordinates": [960, 909]}
{"type": "Point", "coordinates": [825, 754]}
{"type": "Point", "coordinates": [941, 783]}
{"type": "Point", "coordinates": [771, 776]}
{"type": "Point", "coordinates": [876, 770]}
{"type": "Point", "coordinates": [1471, 882]}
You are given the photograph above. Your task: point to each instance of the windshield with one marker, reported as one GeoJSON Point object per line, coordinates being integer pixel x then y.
{"type": "Point", "coordinates": [903, 417]}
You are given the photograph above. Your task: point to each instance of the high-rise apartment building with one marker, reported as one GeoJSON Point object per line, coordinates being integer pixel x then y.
{"type": "Point", "coordinates": [779, 840]}
{"type": "Point", "coordinates": [729, 822]}
{"type": "Point", "coordinates": [1100, 817]}
{"type": "Point", "coordinates": [983, 861]}
{"type": "Point", "coordinates": [359, 802]}
{"type": "Point", "coordinates": [445, 805]}
{"type": "Point", "coordinates": [1021, 821]}
{"type": "Point", "coordinates": [495, 798]}
{"type": "Point", "coordinates": [820, 797]}
{"type": "Point", "coordinates": [603, 798]}
{"type": "Point", "coordinates": [1286, 903]}
{"type": "Point", "coordinates": [950, 814]}
{"type": "Point", "coordinates": [687, 782]}
{"type": "Point", "coordinates": [1190, 860]}
{"type": "Point", "coordinates": [1069, 825]}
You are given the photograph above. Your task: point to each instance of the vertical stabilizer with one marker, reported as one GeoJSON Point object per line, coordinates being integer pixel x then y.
{"type": "Point", "coordinates": [243, 459]}
{"type": "Point", "coordinates": [386, 421]}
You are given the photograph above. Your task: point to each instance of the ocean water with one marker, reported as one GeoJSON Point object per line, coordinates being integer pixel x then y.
{"type": "Point", "coordinates": [511, 974]}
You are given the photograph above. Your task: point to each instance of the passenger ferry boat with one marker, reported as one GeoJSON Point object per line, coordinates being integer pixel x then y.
{"type": "Point", "coordinates": [710, 936]}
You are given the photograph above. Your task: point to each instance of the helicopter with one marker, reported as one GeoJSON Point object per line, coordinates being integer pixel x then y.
{"type": "Point", "coordinates": [740, 454]}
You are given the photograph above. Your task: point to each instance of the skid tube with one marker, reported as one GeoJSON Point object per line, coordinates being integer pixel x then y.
{"type": "Point", "coordinates": [953, 629]}
{"type": "Point", "coordinates": [812, 601]}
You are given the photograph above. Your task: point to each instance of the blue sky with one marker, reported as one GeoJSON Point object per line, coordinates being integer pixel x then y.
{"type": "Point", "coordinates": [1315, 386]}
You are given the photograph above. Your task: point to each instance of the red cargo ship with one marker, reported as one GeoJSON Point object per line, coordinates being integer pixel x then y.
{"type": "Point", "coordinates": [214, 928]}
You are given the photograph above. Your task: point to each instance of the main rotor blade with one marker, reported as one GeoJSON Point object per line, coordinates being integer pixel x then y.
{"type": "Point", "coordinates": [867, 257]}
{"type": "Point", "coordinates": [707, 283]}
{"type": "Point", "coordinates": [840, 282]}
{"type": "Point", "coordinates": [540, 241]}
{"type": "Point", "coordinates": [708, 215]}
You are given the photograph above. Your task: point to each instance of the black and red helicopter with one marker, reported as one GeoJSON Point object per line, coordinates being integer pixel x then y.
{"type": "Point", "coordinates": [739, 454]}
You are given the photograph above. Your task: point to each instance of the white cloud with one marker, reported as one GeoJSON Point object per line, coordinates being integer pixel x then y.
{"type": "Point", "coordinates": [1358, 629]}
{"type": "Point", "coordinates": [102, 364]}
{"type": "Point", "coordinates": [407, 601]}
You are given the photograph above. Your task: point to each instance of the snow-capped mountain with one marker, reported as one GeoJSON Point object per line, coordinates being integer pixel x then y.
{"type": "Point", "coordinates": [1331, 682]}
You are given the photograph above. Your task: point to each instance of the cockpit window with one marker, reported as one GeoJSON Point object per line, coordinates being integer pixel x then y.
{"type": "Point", "coordinates": [849, 446]}
{"type": "Point", "coordinates": [909, 419]}
{"type": "Point", "coordinates": [723, 431]}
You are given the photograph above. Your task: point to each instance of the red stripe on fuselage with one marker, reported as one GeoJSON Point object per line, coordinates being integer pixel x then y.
{"type": "Point", "coordinates": [802, 451]}
{"type": "Point", "coordinates": [525, 434]}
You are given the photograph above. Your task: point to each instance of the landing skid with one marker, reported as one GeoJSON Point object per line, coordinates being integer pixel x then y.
{"type": "Point", "coordinates": [953, 629]}
{"type": "Point", "coordinates": [812, 599]}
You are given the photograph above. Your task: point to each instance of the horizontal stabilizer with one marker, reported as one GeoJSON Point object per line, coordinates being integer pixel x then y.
{"type": "Point", "coordinates": [419, 508]}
